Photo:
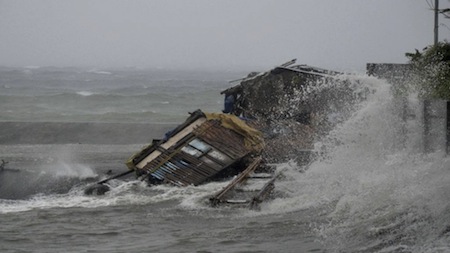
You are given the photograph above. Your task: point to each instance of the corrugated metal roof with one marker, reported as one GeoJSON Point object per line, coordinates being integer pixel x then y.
{"type": "Point", "coordinates": [288, 66]}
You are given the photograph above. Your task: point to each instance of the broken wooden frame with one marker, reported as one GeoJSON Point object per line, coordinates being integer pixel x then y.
{"type": "Point", "coordinates": [196, 151]}
{"type": "Point", "coordinates": [233, 194]}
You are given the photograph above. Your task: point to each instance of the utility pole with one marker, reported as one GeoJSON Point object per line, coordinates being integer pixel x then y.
{"type": "Point", "coordinates": [436, 21]}
{"type": "Point", "coordinates": [427, 102]}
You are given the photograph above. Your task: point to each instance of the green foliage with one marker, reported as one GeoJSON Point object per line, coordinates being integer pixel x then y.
{"type": "Point", "coordinates": [432, 70]}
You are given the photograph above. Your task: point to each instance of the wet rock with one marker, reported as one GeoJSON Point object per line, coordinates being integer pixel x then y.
{"type": "Point", "coordinates": [96, 189]}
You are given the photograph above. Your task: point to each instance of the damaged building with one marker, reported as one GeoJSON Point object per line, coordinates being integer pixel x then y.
{"type": "Point", "coordinates": [293, 105]}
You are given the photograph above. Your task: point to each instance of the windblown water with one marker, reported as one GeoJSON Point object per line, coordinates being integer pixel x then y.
{"type": "Point", "coordinates": [64, 128]}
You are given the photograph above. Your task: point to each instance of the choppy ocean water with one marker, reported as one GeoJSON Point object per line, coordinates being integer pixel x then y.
{"type": "Point", "coordinates": [122, 95]}
{"type": "Point", "coordinates": [62, 129]}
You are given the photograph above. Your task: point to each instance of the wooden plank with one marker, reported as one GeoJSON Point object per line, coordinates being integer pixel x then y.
{"type": "Point", "coordinates": [218, 197]}
{"type": "Point", "coordinates": [265, 191]}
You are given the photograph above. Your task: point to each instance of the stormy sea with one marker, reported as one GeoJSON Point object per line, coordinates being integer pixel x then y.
{"type": "Point", "coordinates": [62, 129]}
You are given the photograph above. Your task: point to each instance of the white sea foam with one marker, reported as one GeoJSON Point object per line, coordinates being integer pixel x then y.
{"type": "Point", "coordinates": [100, 72]}
{"type": "Point", "coordinates": [85, 93]}
{"type": "Point", "coordinates": [120, 195]}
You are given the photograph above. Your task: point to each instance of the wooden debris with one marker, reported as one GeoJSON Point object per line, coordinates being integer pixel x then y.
{"type": "Point", "coordinates": [241, 191]}
{"type": "Point", "coordinates": [205, 146]}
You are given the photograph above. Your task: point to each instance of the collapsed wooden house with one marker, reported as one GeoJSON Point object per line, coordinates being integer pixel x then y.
{"type": "Point", "coordinates": [207, 146]}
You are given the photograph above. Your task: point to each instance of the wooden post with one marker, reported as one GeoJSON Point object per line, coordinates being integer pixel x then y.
{"type": "Point", "coordinates": [403, 126]}
{"type": "Point", "coordinates": [426, 126]}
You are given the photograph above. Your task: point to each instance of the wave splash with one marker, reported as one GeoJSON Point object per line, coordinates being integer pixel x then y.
{"type": "Point", "coordinates": [122, 193]}
{"type": "Point", "coordinates": [378, 196]}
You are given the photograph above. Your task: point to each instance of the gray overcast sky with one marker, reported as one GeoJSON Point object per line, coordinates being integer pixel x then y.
{"type": "Point", "coordinates": [336, 34]}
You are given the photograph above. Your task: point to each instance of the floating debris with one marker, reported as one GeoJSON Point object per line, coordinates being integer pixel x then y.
{"type": "Point", "coordinates": [3, 165]}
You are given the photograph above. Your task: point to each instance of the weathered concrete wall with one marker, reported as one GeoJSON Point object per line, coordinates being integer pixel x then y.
{"type": "Point", "coordinates": [426, 118]}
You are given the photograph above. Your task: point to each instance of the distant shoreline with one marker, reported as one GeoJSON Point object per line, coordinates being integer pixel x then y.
{"type": "Point", "coordinates": [81, 132]}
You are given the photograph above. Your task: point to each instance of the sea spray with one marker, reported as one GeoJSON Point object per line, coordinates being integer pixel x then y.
{"type": "Point", "coordinates": [46, 169]}
{"type": "Point", "coordinates": [65, 164]}
{"type": "Point", "coordinates": [396, 198]}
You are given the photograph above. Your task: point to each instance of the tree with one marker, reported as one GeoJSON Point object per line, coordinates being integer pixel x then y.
{"type": "Point", "coordinates": [432, 71]}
